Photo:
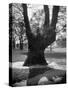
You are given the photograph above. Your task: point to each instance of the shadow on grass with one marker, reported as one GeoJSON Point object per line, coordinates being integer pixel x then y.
{"type": "Point", "coordinates": [33, 80]}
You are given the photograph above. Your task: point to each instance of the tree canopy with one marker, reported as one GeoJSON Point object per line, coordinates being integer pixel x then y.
{"type": "Point", "coordinates": [36, 16]}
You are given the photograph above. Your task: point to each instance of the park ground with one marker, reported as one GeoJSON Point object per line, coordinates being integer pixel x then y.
{"type": "Point", "coordinates": [57, 55]}
{"type": "Point", "coordinates": [56, 58]}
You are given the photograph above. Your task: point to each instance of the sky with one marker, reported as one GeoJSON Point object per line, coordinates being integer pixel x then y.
{"type": "Point", "coordinates": [33, 8]}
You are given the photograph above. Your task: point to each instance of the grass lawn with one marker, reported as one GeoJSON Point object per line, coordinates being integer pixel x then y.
{"type": "Point", "coordinates": [58, 55]}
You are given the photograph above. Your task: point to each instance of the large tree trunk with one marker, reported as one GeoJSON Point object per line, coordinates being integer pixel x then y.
{"type": "Point", "coordinates": [21, 43]}
{"type": "Point", "coordinates": [21, 35]}
{"type": "Point", "coordinates": [13, 43]}
{"type": "Point", "coordinates": [37, 44]}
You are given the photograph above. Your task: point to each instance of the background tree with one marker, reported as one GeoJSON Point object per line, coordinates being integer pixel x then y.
{"type": "Point", "coordinates": [61, 28]}
{"type": "Point", "coordinates": [37, 44]}
{"type": "Point", "coordinates": [10, 32]}
{"type": "Point", "coordinates": [18, 26]}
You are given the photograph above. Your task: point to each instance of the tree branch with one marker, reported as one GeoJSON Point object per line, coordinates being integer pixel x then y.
{"type": "Point", "coordinates": [50, 34]}
{"type": "Point", "coordinates": [26, 20]}
{"type": "Point", "coordinates": [46, 10]}
{"type": "Point", "coordinates": [54, 16]}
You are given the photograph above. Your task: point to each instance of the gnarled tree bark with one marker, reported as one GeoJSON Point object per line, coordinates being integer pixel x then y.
{"type": "Point", "coordinates": [37, 44]}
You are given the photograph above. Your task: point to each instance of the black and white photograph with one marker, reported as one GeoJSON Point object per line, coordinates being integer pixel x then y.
{"type": "Point", "coordinates": [37, 44]}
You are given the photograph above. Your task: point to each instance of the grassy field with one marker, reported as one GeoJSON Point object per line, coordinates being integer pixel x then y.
{"type": "Point", "coordinates": [57, 55]}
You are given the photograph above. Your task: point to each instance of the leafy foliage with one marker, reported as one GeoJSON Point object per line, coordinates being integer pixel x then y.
{"type": "Point", "coordinates": [36, 19]}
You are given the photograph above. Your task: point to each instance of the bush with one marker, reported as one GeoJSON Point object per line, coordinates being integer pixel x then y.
{"type": "Point", "coordinates": [61, 42]}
